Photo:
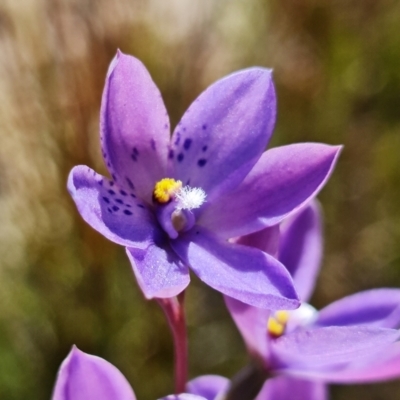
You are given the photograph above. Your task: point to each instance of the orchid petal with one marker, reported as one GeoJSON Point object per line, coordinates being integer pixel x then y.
{"type": "Point", "coordinates": [301, 249]}
{"type": "Point", "coordinates": [376, 307]}
{"type": "Point", "coordinates": [266, 240]}
{"type": "Point", "coordinates": [208, 386]}
{"type": "Point", "coordinates": [241, 272]}
{"type": "Point", "coordinates": [85, 377]}
{"type": "Point", "coordinates": [252, 324]}
{"type": "Point", "coordinates": [113, 212]}
{"type": "Point", "coordinates": [134, 127]}
{"type": "Point", "coordinates": [383, 367]}
{"type": "Point", "coordinates": [328, 348]}
{"type": "Point", "coordinates": [284, 179]}
{"type": "Point", "coordinates": [159, 272]}
{"type": "Point", "coordinates": [183, 396]}
{"type": "Point", "coordinates": [224, 132]}
{"type": "Point", "coordinates": [290, 388]}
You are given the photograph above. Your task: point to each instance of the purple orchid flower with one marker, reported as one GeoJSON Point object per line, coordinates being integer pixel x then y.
{"type": "Point", "coordinates": [352, 340]}
{"type": "Point", "coordinates": [175, 201]}
{"type": "Point", "coordinates": [86, 377]}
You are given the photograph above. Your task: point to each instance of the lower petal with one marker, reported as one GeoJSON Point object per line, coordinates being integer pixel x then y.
{"type": "Point", "coordinates": [209, 386]}
{"type": "Point", "coordinates": [372, 369]}
{"type": "Point", "coordinates": [289, 388]}
{"type": "Point", "coordinates": [158, 270]}
{"type": "Point", "coordinates": [241, 272]}
{"type": "Point", "coordinates": [380, 366]}
{"type": "Point", "coordinates": [330, 348]}
{"type": "Point", "coordinates": [85, 377]}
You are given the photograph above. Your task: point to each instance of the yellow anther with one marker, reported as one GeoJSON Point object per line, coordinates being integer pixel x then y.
{"type": "Point", "coordinates": [277, 323]}
{"type": "Point", "coordinates": [282, 317]}
{"type": "Point", "coordinates": [164, 189]}
{"type": "Point", "coordinates": [275, 328]}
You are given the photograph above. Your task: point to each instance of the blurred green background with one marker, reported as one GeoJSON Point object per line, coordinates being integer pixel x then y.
{"type": "Point", "coordinates": [337, 71]}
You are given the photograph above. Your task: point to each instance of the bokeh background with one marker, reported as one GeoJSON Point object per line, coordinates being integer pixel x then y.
{"type": "Point", "coordinates": [337, 73]}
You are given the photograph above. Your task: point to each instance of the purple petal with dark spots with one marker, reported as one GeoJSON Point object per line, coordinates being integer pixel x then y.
{"type": "Point", "coordinates": [284, 179]}
{"type": "Point", "coordinates": [96, 204]}
{"type": "Point", "coordinates": [228, 128]}
{"type": "Point", "coordinates": [159, 272]}
{"type": "Point", "coordinates": [241, 272]}
{"type": "Point", "coordinates": [85, 377]}
{"type": "Point", "coordinates": [133, 119]}
{"type": "Point", "coordinates": [301, 248]}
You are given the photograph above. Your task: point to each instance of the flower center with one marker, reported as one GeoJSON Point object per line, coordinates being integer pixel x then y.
{"type": "Point", "coordinates": [175, 204]}
{"type": "Point", "coordinates": [281, 321]}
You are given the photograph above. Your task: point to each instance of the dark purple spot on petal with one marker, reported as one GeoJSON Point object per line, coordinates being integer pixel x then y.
{"type": "Point", "coordinates": [132, 195]}
{"type": "Point", "coordinates": [114, 177]}
{"type": "Point", "coordinates": [108, 165]}
{"type": "Point", "coordinates": [115, 208]}
{"type": "Point", "coordinates": [153, 144]}
{"type": "Point", "coordinates": [135, 151]}
{"type": "Point", "coordinates": [127, 212]}
{"type": "Point", "coordinates": [205, 148]}
{"type": "Point", "coordinates": [109, 210]}
{"type": "Point", "coordinates": [133, 157]}
{"type": "Point", "coordinates": [166, 126]}
{"type": "Point", "coordinates": [188, 182]}
{"type": "Point", "coordinates": [187, 143]}
{"type": "Point", "coordinates": [100, 182]}
{"type": "Point", "coordinates": [119, 201]}
{"type": "Point", "coordinates": [131, 185]}
{"type": "Point", "coordinates": [140, 206]}
{"type": "Point", "coordinates": [111, 183]}
{"type": "Point", "coordinates": [180, 157]}
{"type": "Point", "coordinates": [123, 192]}
{"type": "Point", "coordinates": [202, 162]}
{"type": "Point", "coordinates": [128, 205]}
{"type": "Point", "coordinates": [178, 138]}
{"type": "Point", "coordinates": [106, 199]}
{"type": "Point", "coordinates": [171, 154]}
{"type": "Point", "coordinates": [111, 191]}
{"type": "Point", "coordinates": [204, 126]}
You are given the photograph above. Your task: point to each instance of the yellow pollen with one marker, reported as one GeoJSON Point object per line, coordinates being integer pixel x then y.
{"type": "Point", "coordinates": [277, 323]}
{"type": "Point", "coordinates": [282, 317]}
{"type": "Point", "coordinates": [165, 189]}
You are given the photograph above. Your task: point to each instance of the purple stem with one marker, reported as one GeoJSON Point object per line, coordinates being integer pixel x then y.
{"type": "Point", "coordinates": [175, 314]}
